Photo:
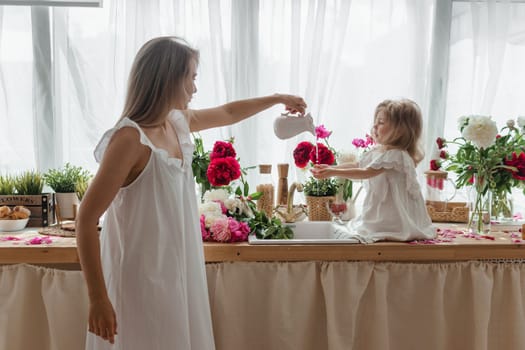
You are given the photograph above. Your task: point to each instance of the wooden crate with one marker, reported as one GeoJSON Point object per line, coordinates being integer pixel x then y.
{"type": "Point", "coordinates": [447, 211]}
{"type": "Point", "coordinates": [42, 207]}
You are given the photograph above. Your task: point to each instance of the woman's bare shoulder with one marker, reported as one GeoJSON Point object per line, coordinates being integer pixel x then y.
{"type": "Point", "coordinates": [126, 141]}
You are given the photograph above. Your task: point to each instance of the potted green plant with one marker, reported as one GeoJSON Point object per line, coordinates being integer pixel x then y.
{"type": "Point", "coordinates": [29, 183]}
{"type": "Point", "coordinates": [7, 185]}
{"type": "Point", "coordinates": [318, 194]}
{"type": "Point", "coordinates": [81, 188]}
{"type": "Point", "coordinates": [64, 182]}
{"type": "Point", "coordinates": [26, 189]}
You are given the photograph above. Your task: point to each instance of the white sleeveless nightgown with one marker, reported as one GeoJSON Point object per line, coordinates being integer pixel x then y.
{"type": "Point", "coordinates": [394, 208]}
{"type": "Point", "coordinates": [152, 254]}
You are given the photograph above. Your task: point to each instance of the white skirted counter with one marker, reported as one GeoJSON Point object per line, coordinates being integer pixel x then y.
{"type": "Point", "coordinates": [457, 292]}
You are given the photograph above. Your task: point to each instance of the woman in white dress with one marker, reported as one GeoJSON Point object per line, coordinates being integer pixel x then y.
{"type": "Point", "coordinates": [394, 208]}
{"type": "Point", "coordinates": [145, 274]}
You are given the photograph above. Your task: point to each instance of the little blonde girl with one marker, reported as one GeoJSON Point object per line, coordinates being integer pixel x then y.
{"type": "Point", "coordinates": [394, 208]}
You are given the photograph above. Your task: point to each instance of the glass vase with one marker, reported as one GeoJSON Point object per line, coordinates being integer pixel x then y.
{"type": "Point", "coordinates": [502, 206]}
{"type": "Point", "coordinates": [481, 207]}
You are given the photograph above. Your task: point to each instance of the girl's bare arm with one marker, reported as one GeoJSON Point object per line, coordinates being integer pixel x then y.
{"type": "Point", "coordinates": [348, 173]}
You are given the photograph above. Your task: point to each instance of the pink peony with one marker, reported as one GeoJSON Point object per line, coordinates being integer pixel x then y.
{"type": "Point", "coordinates": [359, 143]}
{"type": "Point", "coordinates": [220, 230]}
{"type": "Point", "coordinates": [321, 132]}
{"type": "Point", "coordinates": [204, 232]}
{"type": "Point", "coordinates": [239, 230]}
{"type": "Point", "coordinates": [369, 141]}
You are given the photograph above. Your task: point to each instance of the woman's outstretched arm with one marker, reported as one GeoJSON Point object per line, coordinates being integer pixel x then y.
{"type": "Point", "coordinates": [233, 112]}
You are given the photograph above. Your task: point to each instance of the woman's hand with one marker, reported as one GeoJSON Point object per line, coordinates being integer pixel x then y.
{"type": "Point", "coordinates": [321, 171]}
{"type": "Point", "coordinates": [294, 104]}
{"type": "Point", "coordinates": [102, 320]}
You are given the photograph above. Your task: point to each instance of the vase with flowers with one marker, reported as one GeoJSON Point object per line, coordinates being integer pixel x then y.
{"type": "Point", "coordinates": [227, 210]}
{"type": "Point", "coordinates": [490, 162]}
{"type": "Point", "coordinates": [318, 193]}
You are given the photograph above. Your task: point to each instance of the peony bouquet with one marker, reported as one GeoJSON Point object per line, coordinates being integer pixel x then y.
{"type": "Point", "coordinates": [490, 160]}
{"type": "Point", "coordinates": [224, 217]}
{"type": "Point", "coordinates": [228, 212]}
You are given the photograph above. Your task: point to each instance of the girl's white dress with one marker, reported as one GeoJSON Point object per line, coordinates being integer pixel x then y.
{"type": "Point", "coordinates": [152, 253]}
{"type": "Point", "coordinates": [394, 208]}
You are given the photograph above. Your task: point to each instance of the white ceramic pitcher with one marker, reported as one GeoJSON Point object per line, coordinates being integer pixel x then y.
{"type": "Point", "coordinates": [288, 125]}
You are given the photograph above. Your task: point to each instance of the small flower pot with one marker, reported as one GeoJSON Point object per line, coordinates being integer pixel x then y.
{"type": "Point", "coordinates": [317, 208]}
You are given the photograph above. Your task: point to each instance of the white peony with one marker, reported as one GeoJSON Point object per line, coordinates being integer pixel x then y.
{"type": "Point", "coordinates": [481, 131]}
{"type": "Point", "coordinates": [233, 204]}
{"type": "Point", "coordinates": [521, 122]}
{"type": "Point", "coordinates": [462, 121]}
{"type": "Point", "coordinates": [210, 209]}
{"type": "Point", "coordinates": [216, 195]}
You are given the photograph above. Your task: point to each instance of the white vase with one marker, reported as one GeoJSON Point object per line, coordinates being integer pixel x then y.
{"type": "Point", "coordinates": [67, 205]}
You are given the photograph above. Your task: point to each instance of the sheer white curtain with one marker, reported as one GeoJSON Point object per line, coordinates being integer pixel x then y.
{"type": "Point", "coordinates": [343, 56]}
{"type": "Point", "coordinates": [486, 72]}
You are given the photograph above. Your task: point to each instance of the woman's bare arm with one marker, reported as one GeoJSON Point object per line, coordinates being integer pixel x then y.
{"type": "Point", "coordinates": [121, 155]}
{"type": "Point", "coordinates": [233, 112]}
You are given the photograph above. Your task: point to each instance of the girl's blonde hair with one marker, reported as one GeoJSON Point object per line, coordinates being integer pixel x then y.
{"type": "Point", "coordinates": [406, 123]}
{"type": "Point", "coordinates": [156, 79]}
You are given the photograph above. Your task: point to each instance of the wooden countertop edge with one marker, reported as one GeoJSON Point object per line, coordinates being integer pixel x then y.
{"type": "Point", "coordinates": [217, 252]}
{"type": "Point", "coordinates": [38, 255]}
{"type": "Point", "coordinates": [374, 252]}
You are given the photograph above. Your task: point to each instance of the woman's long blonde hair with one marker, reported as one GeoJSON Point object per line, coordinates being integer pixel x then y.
{"type": "Point", "coordinates": [406, 121]}
{"type": "Point", "coordinates": [156, 79]}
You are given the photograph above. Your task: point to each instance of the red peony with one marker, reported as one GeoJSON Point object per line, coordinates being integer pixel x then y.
{"type": "Point", "coordinates": [443, 154]}
{"type": "Point", "coordinates": [325, 155]}
{"type": "Point", "coordinates": [440, 142]}
{"type": "Point", "coordinates": [301, 154]}
{"type": "Point", "coordinates": [517, 162]}
{"type": "Point", "coordinates": [222, 149]}
{"type": "Point", "coordinates": [222, 171]}
{"type": "Point", "coordinates": [435, 164]}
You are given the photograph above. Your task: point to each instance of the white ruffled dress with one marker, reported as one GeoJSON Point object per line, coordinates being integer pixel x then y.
{"type": "Point", "coordinates": [394, 208]}
{"type": "Point", "coordinates": [152, 253]}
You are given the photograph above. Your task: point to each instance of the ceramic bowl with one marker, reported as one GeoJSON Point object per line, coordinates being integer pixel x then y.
{"type": "Point", "coordinates": [13, 225]}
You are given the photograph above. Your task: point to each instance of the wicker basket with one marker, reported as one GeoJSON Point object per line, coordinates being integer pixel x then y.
{"type": "Point", "coordinates": [448, 211]}
{"type": "Point", "coordinates": [317, 208]}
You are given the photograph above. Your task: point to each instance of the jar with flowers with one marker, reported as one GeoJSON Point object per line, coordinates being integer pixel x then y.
{"type": "Point", "coordinates": [318, 193]}
{"type": "Point", "coordinates": [491, 162]}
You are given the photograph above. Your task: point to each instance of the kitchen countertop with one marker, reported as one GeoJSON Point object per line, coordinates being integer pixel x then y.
{"type": "Point", "coordinates": [452, 244]}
